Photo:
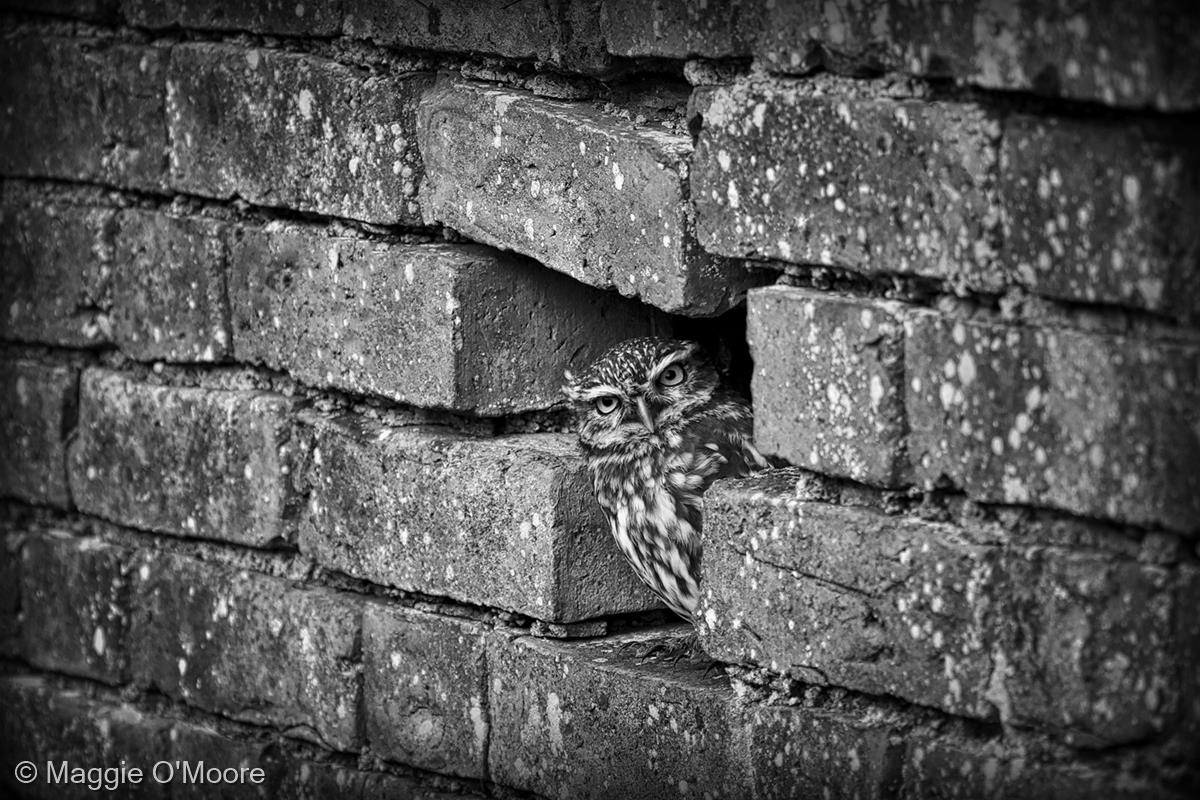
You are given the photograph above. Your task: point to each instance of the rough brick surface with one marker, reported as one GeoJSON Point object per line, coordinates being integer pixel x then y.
{"type": "Point", "coordinates": [75, 606]}
{"type": "Point", "coordinates": [249, 646]}
{"type": "Point", "coordinates": [459, 327]}
{"type": "Point", "coordinates": [872, 185]}
{"type": "Point", "coordinates": [10, 592]}
{"type": "Point", "coordinates": [425, 690]}
{"type": "Point", "coordinates": [281, 129]}
{"type": "Point", "coordinates": [828, 382]}
{"type": "Point", "coordinates": [187, 461]}
{"type": "Point", "coordinates": [580, 720]}
{"type": "Point", "coordinates": [39, 410]}
{"type": "Point", "coordinates": [168, 288]}
{"type": "Point", "coordinates": [564, 35]}
{"type": "Point", "coordinates": [281, 17]}
{"type": "Point", "coordinates": [41, 723]}
{"type": "Point", "coordinates": [1090, 423]}
{"type": "Point", "coordinates": [1102, 212]}
{"type": "Point", "coordinates": [54, 261]}
{"type": "Point", "coordinates": [82, 111]}
{"type": "Point", "coordinates": [584, 193]}
{"type": "Point", "coordinates": [950, 617]}
{"type": "Point", "coordinates": [91, 10]}
{"type": "Point", "coordinates": [508, 522]}
{"type": "Point", "coordinates": [948, 764]}
{"type": "Point", "coordinates": [1131, 54]}
{"type": "Point", "coordinates": [680, 28]}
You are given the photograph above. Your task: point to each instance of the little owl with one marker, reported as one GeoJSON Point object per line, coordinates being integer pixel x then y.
{"type": "Point", "coordinates": [657, 430]}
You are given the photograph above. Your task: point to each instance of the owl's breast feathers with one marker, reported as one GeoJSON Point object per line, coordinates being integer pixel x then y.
{"type": "Point", "coordinates": [652, 493]}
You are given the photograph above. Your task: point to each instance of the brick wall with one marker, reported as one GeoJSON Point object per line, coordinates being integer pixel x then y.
{"type": "Point", "coordinates": [286, 293]}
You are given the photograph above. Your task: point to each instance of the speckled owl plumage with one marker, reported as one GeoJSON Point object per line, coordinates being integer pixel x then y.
{"type": "Point", "coordinates": [653, 455]}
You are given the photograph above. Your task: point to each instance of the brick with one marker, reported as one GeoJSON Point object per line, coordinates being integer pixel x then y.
{"type": "Point", "coordinates": [1095, 424]}
{"type": "Point", "coordinates": [297, 131]}
{"type": "Point", "coordinates": [168, 288]}
{"type": "Point", "coordinates": [459, 327]}
{"type": "Point", "coordinates": [91, 10]}
{"type": "Point", "coordinates": [681, 28]}
{"type": "Point", "coordinates": [39, 403]}
{"type": "Point", "coordinates": [249, 646]}
{"type": "Point", "coordinates": [89, 111]}
{"type": "Point", "coordinates": [279, 17]}
{"type": "Point", "coordinates": [828, 382]}
{"type": "Point", "coordinates": [1130, 55]}
{"type": "Point", "coordinates": [816, 752]}
{"type": "Point", "coordinates": [10, 593]}
{"type": "Point", "coordinates": [186, 461]}
{"type": "Point", "coordinates": [949, 764]}
{"type": "Point", "coordinates": [507, 522]}
{"type": "Point", "coordinates": [1075, 641]}
{"type": "Point", "coordinates": [425, 690]}
{"type": "Point", "coordinates": [75, 606]}
{"type": "Point", "coordinates": [564, 35]}
{"type": "Point", "coordinates": [44, 724]}
{"type": "Point", "coordinates": [1101, 212]}
{"type": "Point", "coordinates": [55, 261]}
{"type": "Point", "coordinates": [583, 720]}
{"type": "Point", "coordinates": [286, 773]}
{"type": "Point", "coordinates": [567, 723]}
{"type": "Point", "coordinates": [583, 192]}
{"type": "Point", "coordinates": [870, 185]}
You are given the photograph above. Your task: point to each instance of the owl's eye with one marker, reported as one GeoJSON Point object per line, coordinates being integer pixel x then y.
{"type": "Point", "coordinates": [607, 404]}
{"type": "Point", "coordinates": [672, 375]}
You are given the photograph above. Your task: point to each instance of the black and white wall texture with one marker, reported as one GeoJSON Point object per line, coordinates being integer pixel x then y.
{"type": "Point", "coordinates": [292, 502]}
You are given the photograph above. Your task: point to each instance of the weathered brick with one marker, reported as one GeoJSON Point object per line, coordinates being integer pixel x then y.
{"type": "Point", "coordinates": [91, 10]}
{"type": "Point", "coordinates": [186, 461]}
{"type": "Point", "coordinates": [562, 34]}
{"type": "Point", "coordinates": [871, 185]}
{"type": "Point", "coordinates": [298, 131]}
{"type": "Point", "coordinates": [286, 773]}
{"type": "Point", "coordinates": [82, 111]}
{"type": "Point", "coordinates": [75, 606]}
{"type": "Point", "coordinates": [44, 724]}
{"type": "Point", "coordinates": [1128, 54]}
{"type": "Point", "coordinates": [53, 269]}
{"type": "Point", "coordinates": [577, 721]}
{"type": "Point", "coordinates": [10, 592]}
{"type": "Point", "coordinates": [249, 646]}
{"type": "Point", "coordinates": [680, 28]}
{"type": "Point", "coordinates": [1095, 424]}
{"type": "Point", "coordinates": [507, 522]}
{"type": "Point", "coordinates": [39, 403]}
{"type": "Point", "coordinates": [949, 764]}
{"type": "Point", "coordinates": [946, 616]}
{"type": "Point", "coordinates": [460, 327]}
{"type": "Point", "coordinates": [828, 382]}
{"type": "Point", "coordinates": [425, 690]}
{"type": "Point", "coordinates": [1102, 212]}
{"type": "Point", "coordinates": [168, 288]}
{"type": "Point", "coordinates": [583, 192]}
{"type": "Point", "coordinates": [280, 17]}
{"type": "Point", "coordinates": [582, 720]}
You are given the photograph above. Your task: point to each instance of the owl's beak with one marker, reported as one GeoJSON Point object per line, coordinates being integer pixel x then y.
{"type": "Point", "coordinates": [645, 413]}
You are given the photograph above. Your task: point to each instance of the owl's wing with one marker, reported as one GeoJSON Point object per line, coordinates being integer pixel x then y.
{"type": "Point", "coordinates": [716, 444]}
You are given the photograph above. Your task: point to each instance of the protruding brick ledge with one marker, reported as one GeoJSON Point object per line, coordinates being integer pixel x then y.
{"type": "Point", "coordinates": [507, 522]}
{"type": "Point", "coordinates": [1076, 640]}
{"type": "Point", "coordinates": [462, 327]}
{"type": "Point", "coordinates": [1096, 424]}
{"type": "Point", "coordinates": [583, 192]}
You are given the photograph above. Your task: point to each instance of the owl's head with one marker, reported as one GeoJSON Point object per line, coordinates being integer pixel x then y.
{"type": "Point", "coordinates": [638, 389]}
